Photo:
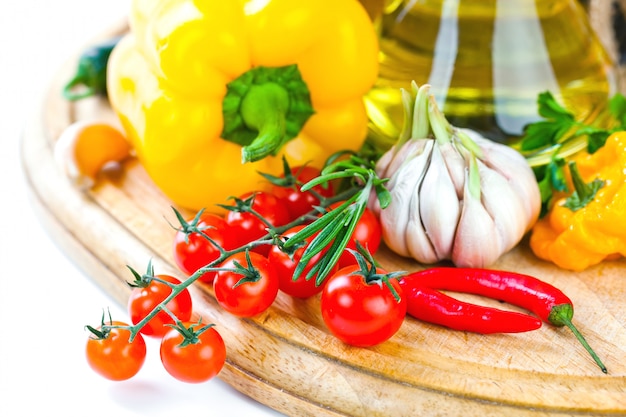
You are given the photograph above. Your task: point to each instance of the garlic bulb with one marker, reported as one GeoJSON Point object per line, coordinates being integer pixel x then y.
{"type": "Point", "coordinates": [455, 195]}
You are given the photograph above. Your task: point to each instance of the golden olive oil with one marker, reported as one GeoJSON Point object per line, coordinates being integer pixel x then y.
{"type": "Point", "coordinates": [487, 61]}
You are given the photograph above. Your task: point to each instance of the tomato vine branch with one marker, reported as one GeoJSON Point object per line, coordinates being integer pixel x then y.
{"type": "Point", "coordinates": [333, 228]}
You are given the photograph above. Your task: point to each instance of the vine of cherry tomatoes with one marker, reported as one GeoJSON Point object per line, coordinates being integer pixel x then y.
{"type": "Point", "coordinates": [242, 256]}
{"type": "Point", "coordinates": [190, 352]}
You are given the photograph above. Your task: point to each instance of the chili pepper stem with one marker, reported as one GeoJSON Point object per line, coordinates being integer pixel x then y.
{"type": "Point", "coordinates": [561, 316]}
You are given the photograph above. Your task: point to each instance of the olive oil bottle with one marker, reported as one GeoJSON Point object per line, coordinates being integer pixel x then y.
{"type": "Point", "coordinates": [487, 61]}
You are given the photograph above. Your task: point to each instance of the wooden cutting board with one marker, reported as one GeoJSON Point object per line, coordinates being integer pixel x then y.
{"type": "Point", "coordinates": [286, 358]}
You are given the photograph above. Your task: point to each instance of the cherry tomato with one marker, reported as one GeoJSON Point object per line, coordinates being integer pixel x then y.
{"type": "Point", "coordinates": [194, 362]}
{"type": "Point", "coordinates": [361, 313]}
{"type": "Point", "coordinates": [247, 298]}
{"type": "Point", "coordinates": [368, 232]}
{"type": "Point", "coordinates": [246, 227]}
{"type": "Point", "coordinates": [143, 300]}
{"type": "Point", "coordinates": [194, 251]}
{"type": "Point", "coordinates": [285, 265]}
{"type": "Point", "coordinates": [297, 202]}
{"type": "Point", "coordinates": [115, 357]}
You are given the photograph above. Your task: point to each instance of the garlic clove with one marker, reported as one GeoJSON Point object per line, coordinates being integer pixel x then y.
{"type": "Point", "coordinates": [390, 163]}
{"type": "Point", "coordinates": [440, 209]}
{"type": "Point", "coordinates": [418, 243]}
{"type": "Point", "coordinates": [395, 217]}
{"type": "Point", "coordinates": [455, 163]}
{"type": "Point", "coordinates": [476, 243]}
{"type": "Point", "coordinates": [504, 206]}
{"type": "Point", "coordinates": [514, 167]}
{"type": "Point", "coordinates": [409, 151]}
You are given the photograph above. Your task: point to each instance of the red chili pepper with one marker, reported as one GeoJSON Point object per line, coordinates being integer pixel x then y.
{"type": "Point", "coordinates": [435, 307]}
{"type": "Point", "coordinates": [525, 291]}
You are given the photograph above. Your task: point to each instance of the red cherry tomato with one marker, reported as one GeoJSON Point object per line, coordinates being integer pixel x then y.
{"type": "Point", "coordinates": [194, 362]}
{"type": "Point", "coordinates": [246, 298]}
{"type": "Point", "coordinates": [246, 227]}
{"type": "Point", "coordinates": [285, 265]}
{"type": "Point", "coordinates": [368, 232]}
{"type": "Point", "coordinates": [194, 251]}
{"type": "Point", "coordinates": [298, 202]}
{"type": "Point", "coordinates": [361, 313]}
{"type": "Point", "coordinates": [143, 300]}
{"type": "Point", "coordinates": [115, 357]}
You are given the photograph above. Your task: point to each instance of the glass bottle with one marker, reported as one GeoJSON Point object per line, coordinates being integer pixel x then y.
{"type": "Point", "coordinates": [487, 61]}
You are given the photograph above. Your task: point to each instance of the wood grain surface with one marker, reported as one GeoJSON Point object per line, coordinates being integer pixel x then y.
{"type": "Point", "coordinates": [287, 359]}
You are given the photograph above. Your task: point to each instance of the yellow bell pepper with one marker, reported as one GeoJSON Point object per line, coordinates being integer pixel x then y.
{"type": "Point", "coordinates": [197, 81]}
{"type": "Point", "coordinates": [583, 233]}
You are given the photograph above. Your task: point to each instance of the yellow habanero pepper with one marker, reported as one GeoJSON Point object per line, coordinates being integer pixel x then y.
{"type": "Point", "coordinates": [586, 229]}
{"type": "Point", "coordinates": [201, 86]}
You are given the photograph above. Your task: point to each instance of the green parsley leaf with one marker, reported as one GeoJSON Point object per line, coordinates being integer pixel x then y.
{"type": "Point", "coordinates": [549, 108]}
{"type": "Point", "coordinates": [617, 108]}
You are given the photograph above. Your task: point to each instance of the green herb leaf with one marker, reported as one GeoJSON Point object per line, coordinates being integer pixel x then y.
{"type": "Point", "coordinates": [550, 178]}
{"type": "Point", "coordinates": [549, 108]}
{"type": "Point", "coordinates": [544, 133]}
{"type": "Point", "coordinates": [383, 195]}
{"type": "Point", "coordinates": [547, 132]}
{"type": "Point", "coordinates": [596, 140]}
{"type": "Point", "coordinates": [617, 108]}
{"type": "Point", "coordinates": [556, 171]}
{"type": "Point", "coordinates": [546, 191]}
{"type": "Point", "coordinates": [557, 133]}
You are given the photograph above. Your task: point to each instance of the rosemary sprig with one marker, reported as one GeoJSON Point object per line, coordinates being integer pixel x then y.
{"type": "Point", "coordinates": [335, 227]}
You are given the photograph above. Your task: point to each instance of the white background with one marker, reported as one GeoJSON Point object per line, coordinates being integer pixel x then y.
{"type": "Point", "coordinates": [45, 301]}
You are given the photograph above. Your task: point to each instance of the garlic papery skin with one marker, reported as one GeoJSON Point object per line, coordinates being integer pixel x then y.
{"type": "Point", "coordinates": [455, 195]}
